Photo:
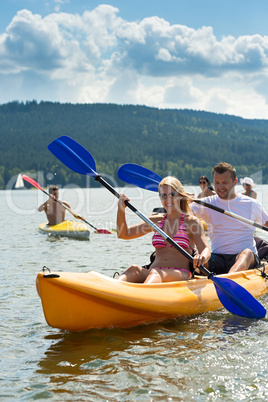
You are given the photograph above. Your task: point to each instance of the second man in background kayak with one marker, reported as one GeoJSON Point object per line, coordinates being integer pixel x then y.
{"type": "Point", "coordinates": [54, 211]}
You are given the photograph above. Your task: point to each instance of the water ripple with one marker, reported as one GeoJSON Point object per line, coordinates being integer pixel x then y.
{"type": "Point", "coordinates": [208, 357]}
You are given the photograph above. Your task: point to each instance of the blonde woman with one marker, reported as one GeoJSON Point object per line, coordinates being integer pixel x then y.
{"type": "Point", "coordinates": [178, 223]}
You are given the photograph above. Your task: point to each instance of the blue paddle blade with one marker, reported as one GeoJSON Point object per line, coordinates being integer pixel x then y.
{"type": "Point", "coordinates": [73, 155]}
{"type": "Point", "coordinates": [234, 297]}
{"type": "Point", "coordinates": [139, 176]}
{"type": "Point", "coordinates": [237, 300]}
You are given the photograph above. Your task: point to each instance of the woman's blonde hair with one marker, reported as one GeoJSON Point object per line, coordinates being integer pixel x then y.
{"type": "Point", "coordinates": [178, 187]}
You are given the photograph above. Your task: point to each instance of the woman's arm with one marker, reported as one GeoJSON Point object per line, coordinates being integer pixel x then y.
{"type": "Point", "coordinates": [132, 232]}
{"type": "Point", "coordinates": [199, 238]}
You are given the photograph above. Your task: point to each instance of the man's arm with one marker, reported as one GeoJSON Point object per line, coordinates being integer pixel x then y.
{"type": "Point", "coordinates": [75, 215]}
{"type": "Point", "coordinates": [42, 207]}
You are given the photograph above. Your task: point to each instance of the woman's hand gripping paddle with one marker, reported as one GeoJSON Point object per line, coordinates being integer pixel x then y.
{"type": "Point", "coordinates": [233, 296]}
{"type": "Point", "coordinates": [145, 178]}
{"type": "Point", "coordinates": [35, 184]}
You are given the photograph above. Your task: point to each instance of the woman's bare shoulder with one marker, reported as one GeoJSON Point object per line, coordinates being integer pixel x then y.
{"type": "Point", "coordinates": [192, 220]}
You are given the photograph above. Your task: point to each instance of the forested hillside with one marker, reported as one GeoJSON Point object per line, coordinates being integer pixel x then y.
{"type": "Point", "coordinates": [184, 143]}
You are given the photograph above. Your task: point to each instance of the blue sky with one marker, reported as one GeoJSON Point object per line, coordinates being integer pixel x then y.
{"type": "Point", "coordinates": [196, 54]}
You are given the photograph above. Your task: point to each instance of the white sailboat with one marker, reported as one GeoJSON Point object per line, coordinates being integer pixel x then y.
{"type": "Point", "coordinates": [19, 185]}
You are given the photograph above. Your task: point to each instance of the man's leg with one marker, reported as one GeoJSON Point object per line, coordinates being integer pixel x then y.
{"type": "Point", "coordinates": [244, 260]}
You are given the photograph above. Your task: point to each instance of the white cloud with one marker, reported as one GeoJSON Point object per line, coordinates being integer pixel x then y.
{"type": "Point", "coordinates": [231, 102]}
{"type": "Point", "coordinates": [99, 57]}
{"type": "Point", "coordinates": [182, 92]}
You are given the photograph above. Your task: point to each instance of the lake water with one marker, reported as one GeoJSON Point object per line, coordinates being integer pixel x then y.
{"type": "Point", "coordinates": [203, 358]}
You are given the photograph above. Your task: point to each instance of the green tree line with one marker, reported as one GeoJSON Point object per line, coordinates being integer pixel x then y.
{"type": "Point", "coordinates": [183, 143]}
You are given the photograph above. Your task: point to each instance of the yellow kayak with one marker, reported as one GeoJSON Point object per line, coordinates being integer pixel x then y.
{"type": "Point", "coordinates": [204, 224]}
{"type": "Point", "coordinates": [81, 301]}
{"type": "Point", "coordinates": [74, 229]}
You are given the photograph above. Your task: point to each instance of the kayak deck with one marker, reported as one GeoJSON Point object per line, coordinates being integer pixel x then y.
{"type": "Point", "coordinates": [81, 301]}
{"type": "Point", "coordinates": [67, 228]}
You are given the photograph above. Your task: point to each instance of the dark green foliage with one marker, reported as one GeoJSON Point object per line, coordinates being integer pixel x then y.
{"type": "Point", "coordinates": [184, 143]}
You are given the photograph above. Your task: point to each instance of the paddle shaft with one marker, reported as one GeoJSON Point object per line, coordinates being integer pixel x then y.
{"type": "Point", "coordinates": [231, 214]}
{"type": "Point", "coordinates": [145, 178]}
{"type": "Point", "coordinates": [246, 307]}
{"type": "Point", "coordinates": [249, 309]}
{"type": "Point", "coordinates": [150, 223]}
{"type": "Point", "coordinates": [81, 161]}
{"type": "Point", "coordinates": [68, 209]}
{"type": "Point", "coordinates": [35, 184]}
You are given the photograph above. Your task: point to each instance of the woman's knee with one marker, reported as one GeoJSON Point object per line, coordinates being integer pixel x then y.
{"type": "Point", "coordinates": [134, 269]}
{"type": "Point", "coordinates": [153, 277]}
{"type": "Point", "coordinates": [134, 273]}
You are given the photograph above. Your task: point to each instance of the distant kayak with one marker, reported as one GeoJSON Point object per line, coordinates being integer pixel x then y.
{"type": "Point", "coordinates": [80, 301]}
{"type": "Point", "coordinates": [74, 229]}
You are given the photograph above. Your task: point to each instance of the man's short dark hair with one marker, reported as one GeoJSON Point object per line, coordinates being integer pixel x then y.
{"type": "Point", "coordinates": [223, 167]}
{"type": "Point", "coordinates": [52, 188]}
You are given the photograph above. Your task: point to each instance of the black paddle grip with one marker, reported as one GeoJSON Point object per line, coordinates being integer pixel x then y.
{"type": "Point", "coordinates": [209, 206]}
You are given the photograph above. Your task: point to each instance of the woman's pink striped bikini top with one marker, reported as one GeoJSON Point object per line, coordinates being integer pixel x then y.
{"type": "Point", "coordinates": [181, 237]}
